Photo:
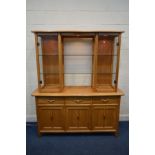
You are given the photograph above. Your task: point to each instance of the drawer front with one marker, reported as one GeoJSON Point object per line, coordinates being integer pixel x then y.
{"type": "Point", "coordinates": [78, 100]}
{"type": "Point", "coordinates": [106, 100]}
{"type": "Point", "coordinates": [50, 100]}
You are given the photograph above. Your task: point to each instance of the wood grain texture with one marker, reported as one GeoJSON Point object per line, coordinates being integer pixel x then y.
{"type": "Point", "coordinates": [78, 109]}
{"type": "Point", "coordinates": [77, 114]}
{"type": "Point", "coordinates": [79, 91]}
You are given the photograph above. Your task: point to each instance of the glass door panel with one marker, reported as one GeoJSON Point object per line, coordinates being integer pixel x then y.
{"type": "Point", "coordinates": [106, 63]}
{"type": "Point", "coordinates": [49, 63]}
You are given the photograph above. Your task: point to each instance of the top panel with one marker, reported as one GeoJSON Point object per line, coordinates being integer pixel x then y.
{"type": "Point", "coordinates": [106, 31]}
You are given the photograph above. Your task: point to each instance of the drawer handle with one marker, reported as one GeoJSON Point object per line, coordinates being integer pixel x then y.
{"type": "Point", "coordinates": [77, 101]}
{"type": "Point", "coordinates": [51, 101]}
{"type": "Point", "coordinates": [104, 100]}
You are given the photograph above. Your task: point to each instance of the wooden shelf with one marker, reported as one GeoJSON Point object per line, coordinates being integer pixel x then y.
{"type": "Point", "coordinates": [79, 91]}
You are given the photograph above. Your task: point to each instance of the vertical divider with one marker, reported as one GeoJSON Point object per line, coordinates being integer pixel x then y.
{"type": "Point", "coordinates": [60, 61]}
{"type": "Point", "coordinates": [118, 60]}
{"type": "Point", "coordinates": [37, 60]}
{"type": "Point", "coordinates": [95, 61]}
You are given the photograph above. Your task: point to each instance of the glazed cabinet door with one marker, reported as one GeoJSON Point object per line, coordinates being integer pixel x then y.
{"type": "Point", "coordinates": [106, 62]}
{"type": "Point", "coordinates": [104, 117]}
{"type": "Point", "coordinates": [77, 118]}
{"type": "Point", "coordinates": [49, 62]}
{"type": "Point", "coordinates": [51, 118]}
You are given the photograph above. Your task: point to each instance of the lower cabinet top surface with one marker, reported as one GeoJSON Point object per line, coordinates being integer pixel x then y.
{"type": "Point", "coordinates": [78, 91]}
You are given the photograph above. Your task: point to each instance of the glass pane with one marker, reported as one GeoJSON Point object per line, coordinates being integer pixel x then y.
{"type": "Point", "coordinates": [106, 63]}
{"type": "Point", "coordinates": [77, 61]}
{"type": "Point", "coordinates": [49, 61]}
{"type": "Point", "coordinates": [49, 45]}
{"type": "Point", "coordinates": [105, 45]}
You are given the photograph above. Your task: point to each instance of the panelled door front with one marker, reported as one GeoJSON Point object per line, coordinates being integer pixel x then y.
{"type": "Point", "coordinates": [51, 118]}
{"type": "Point", "coordinates": [78, 118]}
{"type": "Point", "coordinates": [104, 117]}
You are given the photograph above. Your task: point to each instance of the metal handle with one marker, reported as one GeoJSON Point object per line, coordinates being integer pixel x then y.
{"type": "Point", "coordinates": [77, 101]}
{"type": "Point", "coordinates": [51, 101]}
{"type": "Point", "coordinates": [104, 100]}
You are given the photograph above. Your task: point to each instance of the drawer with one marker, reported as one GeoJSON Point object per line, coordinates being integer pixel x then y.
{"type": "Point", "coordinates": [106, 100]}
{"type": "Point", "coordinates": [50, 100]}
{"type": "Point", "coordinates": [78, 100]}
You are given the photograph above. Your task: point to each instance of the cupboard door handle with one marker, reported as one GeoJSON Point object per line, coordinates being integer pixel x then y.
{"type": "Point", "coordinates": [51, 118]}
{"type": "Point", "coordinates": [51, 101]}
{"type": "Point", "coordinates": [104, 100]}
{"type": "Point", "coordinates": [103, 117]}
{"type": "Point", "coordinates": [77, 117]}
{"type": "Point", "coordinates": [77, 101]}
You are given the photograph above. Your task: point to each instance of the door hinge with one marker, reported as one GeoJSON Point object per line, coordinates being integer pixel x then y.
{"type": "Point", "coordinates": [38, 44]}
{"type": "Point", "coordinates": [115, 81]}
{"type": "Point", "coordinates": [40, 82]}
{"type": "Point", "coordinates": [117, 44]}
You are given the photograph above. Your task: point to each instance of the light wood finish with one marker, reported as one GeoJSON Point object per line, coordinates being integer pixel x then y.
{"type": "Point", "coordinates": [106, 100]}
{"type": "Point", "coordinates": [37, 60]}
{"type": "Point", "coordinates": [104, 117]}
{"type": "Point", "coordinates": [93, 108]}
{"type": "Point", "coordinates": [50, 100]}
{"type": "Point", "coordinates": [60, 61]}
{"type": "Point", "coordinates": [79, 91]}
{"type": "Point", "coordinates": [51, 118]}
{"type": "Point", "coordinates": [77, 114]}
{"type": "Point", "coordinates": [103, 63]}
{"type": "Point", "coordinates": [103, 79]}
{"type": "Point", "coordinates": [118, 60]}
{"type": "Point", "coordinates": [78, 100]}
{"type": "Point", "coordinates": [77, 118]}
{"type": "Point", "coordinates": [95, 62]}
{"type": "Point", "coordinates": [91, 31]}
{"type": "Point", "coordinates": [51, 53]}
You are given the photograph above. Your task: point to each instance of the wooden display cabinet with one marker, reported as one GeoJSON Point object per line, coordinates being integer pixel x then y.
{"type": "Point", "coordinates": [49, 62]}
{"type": "Point", "coordinates": [62, 108]}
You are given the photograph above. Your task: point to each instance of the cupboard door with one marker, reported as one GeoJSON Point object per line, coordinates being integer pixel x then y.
{"type": "Point", "coordinates": [104, 117]}
{"type": "Point", "coordinates": [77, 118]}
{"type": "Point", "coordinates": [50, 68]}
{"type": "Point", "coordinates": [105, 62]}
{"type": "Point", "coordinates": [51, 118]}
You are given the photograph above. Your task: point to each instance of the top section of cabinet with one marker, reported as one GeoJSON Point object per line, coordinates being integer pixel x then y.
{"type": "Point", "coordinates": [104, 58]}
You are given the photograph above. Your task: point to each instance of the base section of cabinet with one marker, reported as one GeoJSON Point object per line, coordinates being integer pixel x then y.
{"type": "Point", "coordinates": [77, 114]}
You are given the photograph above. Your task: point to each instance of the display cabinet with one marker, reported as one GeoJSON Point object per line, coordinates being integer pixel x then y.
{"type": "Point", "coordinates": [84, 108]}
{"type": "Point", "coordinates": [106, 61]}
{"type": "Point", "coordinates": [49, 62]}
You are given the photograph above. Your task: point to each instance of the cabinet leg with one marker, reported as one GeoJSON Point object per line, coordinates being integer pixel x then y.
{"type": "Point", "coordinates": [116, 133]}
{"type": "Point", "coordinates": [39, 134]}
